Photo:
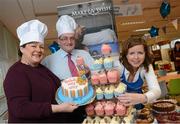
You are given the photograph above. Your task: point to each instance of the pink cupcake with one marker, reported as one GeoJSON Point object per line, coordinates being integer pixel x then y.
{"type": "Point", "coordinates": [90, 110]}
{"type": "Point", "coordinates": [99, 109]}
{"type": "Point", "coordinates": [120, 109]}
{"type": "Point", "coordinates": [95, 79]}
{"type": "Point", "coordinates": [113, 76]}
{"type": "Point", "coordinates": [103, 78]}
{"type": "Point", "coordinates": [109, 108]}
{"type": "Point", "coordinates": [105, 49]}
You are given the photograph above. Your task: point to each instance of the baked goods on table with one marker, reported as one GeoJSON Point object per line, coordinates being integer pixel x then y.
{"type": "Point", "coordinates": [114, 119]}
{"type": "Point", "coordinates": [107, 108]}
{"type": "Point", "coordinates": [173, 118]}
{"type": "Point", "coordinates": [168, 112]}
{"type": "Point", "coordinates": [164, 106]}
{"type": "Point", "coordinates": [144, 116]}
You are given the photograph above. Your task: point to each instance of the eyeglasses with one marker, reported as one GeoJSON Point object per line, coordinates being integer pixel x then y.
{"type": "Point", "coordinates": [65, 38]}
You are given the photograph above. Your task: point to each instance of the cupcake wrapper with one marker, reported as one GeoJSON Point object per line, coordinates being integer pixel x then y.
{"type": "Point", "coordinates": [97, 66]}
{"type": "Point", "coordinates": [108, 96]}
{"type": "Point", "coordinates": [108, 65]}
{"type": "Point", "coordinates": [99, 96]}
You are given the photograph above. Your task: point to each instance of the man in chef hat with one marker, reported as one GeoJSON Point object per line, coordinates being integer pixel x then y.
{"type": "Point", "coordinates": [30, 87]}
{"type": "Point", "coordinates": [58, 62]}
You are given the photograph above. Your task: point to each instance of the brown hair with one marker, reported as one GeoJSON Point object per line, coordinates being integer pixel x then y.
{"type": "Point", "coordinates": [19, 51]}
{"type": "Point", "coordinates": [131, 42]}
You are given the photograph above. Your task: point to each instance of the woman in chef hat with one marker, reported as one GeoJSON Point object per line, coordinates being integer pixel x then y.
{"type": "Point", "coordinates": [29, 86]}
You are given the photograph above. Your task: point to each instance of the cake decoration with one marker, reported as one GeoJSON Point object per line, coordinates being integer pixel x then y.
{"type": "Point", "coordinates": [105, 49]}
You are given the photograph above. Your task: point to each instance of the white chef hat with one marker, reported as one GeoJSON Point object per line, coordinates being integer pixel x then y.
{"type": "Point", "coordinates": [33, 30]}
{"type": "Point", "coordinates": [65, 24]}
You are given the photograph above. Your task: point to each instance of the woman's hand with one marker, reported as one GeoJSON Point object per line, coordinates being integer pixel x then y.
{"type": "Point", "coordinates": [129, 99]}
{"type": "Point", "coordinates": [64, 107]}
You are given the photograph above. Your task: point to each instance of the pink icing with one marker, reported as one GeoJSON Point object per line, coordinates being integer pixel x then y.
{"type": "Point", "coordinates": [112, 76]}
{"type": "Point", "coordinates": [99, 109]}
{"type": "Point", "coordinates": [120, 109]}
{"type": "Point", "coordinates": [94, 79]}
{"type": "Point", "coordinates": [90, 109]}
{"type": "Point", "coordinates": [103, 78]}
{"type": "Point", "coordinates": [109, 108]}
{"type": "Point", "coordinates": [105, 49]}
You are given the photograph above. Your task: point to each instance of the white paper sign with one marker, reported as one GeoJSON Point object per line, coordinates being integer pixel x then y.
{"type": "Point", "coordinates": [128, 10]}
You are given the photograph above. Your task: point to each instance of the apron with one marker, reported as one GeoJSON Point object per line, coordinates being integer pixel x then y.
{"type": "Point", "coordinates": [133, 87]}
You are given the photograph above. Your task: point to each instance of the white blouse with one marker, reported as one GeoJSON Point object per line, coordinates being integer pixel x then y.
{"type": "Point", "coordinates": [149, 77]}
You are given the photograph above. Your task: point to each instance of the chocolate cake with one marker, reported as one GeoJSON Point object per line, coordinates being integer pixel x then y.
{"type": "Point", "coordinates": [163, 106]}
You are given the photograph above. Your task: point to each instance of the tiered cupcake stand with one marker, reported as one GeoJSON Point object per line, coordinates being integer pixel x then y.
{"type": "Point", "coordinates": [105, 79]}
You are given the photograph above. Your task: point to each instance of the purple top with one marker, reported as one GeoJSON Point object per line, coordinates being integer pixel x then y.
{"type": "Point", "coordinates": [30, 91]}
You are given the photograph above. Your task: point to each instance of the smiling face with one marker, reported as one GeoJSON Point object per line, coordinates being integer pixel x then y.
{"type": "Point", "coordinates": [67, 42]}
{"type": "Point", "coordinates": [136, 56]}
{"type": "Point", "coordinates": [32, 53]}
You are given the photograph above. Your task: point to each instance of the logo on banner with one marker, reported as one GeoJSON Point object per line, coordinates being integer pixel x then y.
{"type": "Point", "coordinates": [91, 11]}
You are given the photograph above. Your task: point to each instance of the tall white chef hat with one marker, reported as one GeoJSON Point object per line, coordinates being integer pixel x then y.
{"type": "Point", "coordinates": [33, 30]}
{"type": "Point", "coordinates": [65, 24]}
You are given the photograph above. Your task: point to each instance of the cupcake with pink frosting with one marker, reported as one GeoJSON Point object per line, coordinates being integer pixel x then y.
{"type": "Point", "coordinates": [95, 79]}
{"type": "Point", "coordinates": [99, 109]}
{"type": "Point", "coordinates": [120, 109]}
{"type": "Point", "coordinates": [90, 110]}
{"type": "Point", "coordinates": [103, 78]}
{"type": "Point", "coordinates": [105, 49]}
{"type": "Point", "coordinates": [113, 76]}
{"type": "Point", "coordinates": [109, 108]}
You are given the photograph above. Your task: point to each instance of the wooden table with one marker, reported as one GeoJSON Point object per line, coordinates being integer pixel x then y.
{"type": "Point", "coordinates": [168, 77]}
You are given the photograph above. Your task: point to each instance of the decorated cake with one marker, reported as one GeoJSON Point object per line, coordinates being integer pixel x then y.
{"type": "Point", "coordinates": [74, 87]}
{"type": "Point", "coordinates": [76, 90]}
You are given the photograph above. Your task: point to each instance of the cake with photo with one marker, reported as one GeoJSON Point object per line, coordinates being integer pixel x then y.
{"type": "Point", "coordinates": [76, 90]}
